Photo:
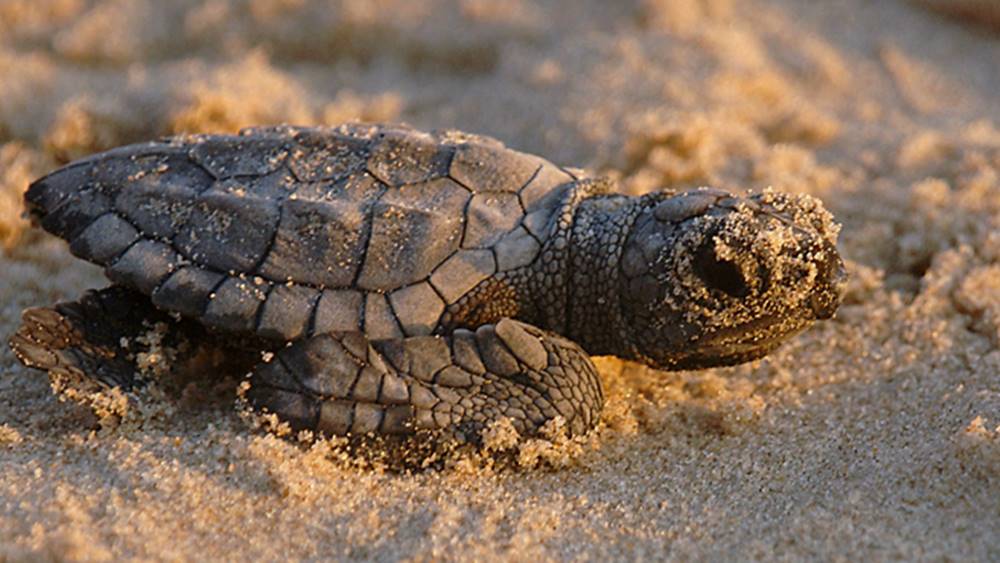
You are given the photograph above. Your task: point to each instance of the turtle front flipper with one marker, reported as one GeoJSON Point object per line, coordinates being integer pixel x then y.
{"type": "Point", "coordinates": [112, 337]}
{"type": "Point", "coordinates": [342, 384]}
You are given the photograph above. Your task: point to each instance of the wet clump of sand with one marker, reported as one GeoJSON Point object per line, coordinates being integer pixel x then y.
{"type": "Point", "coordinates": [871, 436]}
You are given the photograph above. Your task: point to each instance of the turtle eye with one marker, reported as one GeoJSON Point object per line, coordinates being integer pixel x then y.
{"type": "Point", "coordinates": [721, 275]}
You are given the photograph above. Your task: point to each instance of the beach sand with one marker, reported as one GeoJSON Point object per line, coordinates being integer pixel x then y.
{"type": "Point", "coordinates": [872, 436]}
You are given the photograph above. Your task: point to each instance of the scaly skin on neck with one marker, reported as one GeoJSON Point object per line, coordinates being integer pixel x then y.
{"type": "Point", "coordinates": [600, 229]}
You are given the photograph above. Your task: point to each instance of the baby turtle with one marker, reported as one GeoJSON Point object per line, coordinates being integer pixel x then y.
{"type": "Point", "coordinates": [396, 281]}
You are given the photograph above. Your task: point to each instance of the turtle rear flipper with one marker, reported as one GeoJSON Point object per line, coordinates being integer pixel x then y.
{"type": "Point", "coordinates": [454, 387]}
{"type": "Point", "coordinates": [113, 337]}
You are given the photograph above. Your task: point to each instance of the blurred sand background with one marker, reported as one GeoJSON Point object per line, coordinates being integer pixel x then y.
{"type": "Point", "coordinates": [873, 436]}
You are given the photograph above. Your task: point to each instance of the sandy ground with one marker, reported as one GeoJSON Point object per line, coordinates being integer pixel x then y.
{"type": "Point", "coordinates": [873, 436]}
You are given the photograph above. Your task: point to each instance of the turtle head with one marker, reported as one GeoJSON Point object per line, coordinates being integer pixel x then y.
{"type": "Point", "coordinates": [711, 279]}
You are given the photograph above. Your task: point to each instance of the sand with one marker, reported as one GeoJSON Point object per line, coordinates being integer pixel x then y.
{"type": "Point", "coordinates": [873, 436]}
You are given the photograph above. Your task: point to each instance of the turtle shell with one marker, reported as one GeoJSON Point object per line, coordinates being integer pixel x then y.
{"type": "Point", "coordinates": [289, 231]}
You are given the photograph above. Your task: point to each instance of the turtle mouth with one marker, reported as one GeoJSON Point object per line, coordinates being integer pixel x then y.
{"type": "Point", "coordinates": [744, 342]}
{"type": "Point", "coordinates": [731, 345]}
{"type": "Point", "coordinates": [725, 356]}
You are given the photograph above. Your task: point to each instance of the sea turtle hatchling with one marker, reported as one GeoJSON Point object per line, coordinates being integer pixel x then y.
{"type": "Point", "coordinates": [398, 282]}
